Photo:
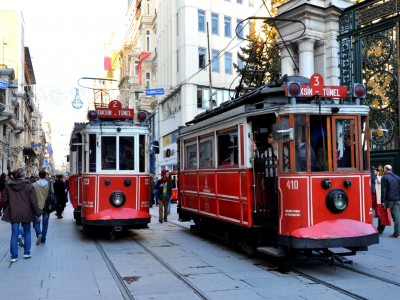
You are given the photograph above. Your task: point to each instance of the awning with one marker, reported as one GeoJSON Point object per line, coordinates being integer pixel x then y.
{"type": "Point", "coordinates": [29, 151]}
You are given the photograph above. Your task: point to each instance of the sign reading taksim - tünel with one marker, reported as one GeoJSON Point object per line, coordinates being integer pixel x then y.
{"type": "Point", "coordinates": [115, 111]}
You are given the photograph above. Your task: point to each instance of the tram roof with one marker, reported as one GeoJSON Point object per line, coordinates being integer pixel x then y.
{"type": "Point", "coordinates": [268, 100]}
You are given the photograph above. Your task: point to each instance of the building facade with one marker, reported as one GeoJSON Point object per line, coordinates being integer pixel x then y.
{"type": "Point", "coordinates": [22, 142]}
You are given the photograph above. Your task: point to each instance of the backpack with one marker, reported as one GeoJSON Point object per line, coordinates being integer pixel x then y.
{"type": "Point", "coordinates": [51, 201]}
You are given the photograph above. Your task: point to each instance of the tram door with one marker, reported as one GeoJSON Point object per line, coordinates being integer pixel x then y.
{"type": "Point", "coordinates": [265, 162]}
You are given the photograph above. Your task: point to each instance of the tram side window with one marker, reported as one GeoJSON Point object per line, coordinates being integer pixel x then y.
{"type": "Point", "coordinates": [206, 159]}
{"type": "Point", "coordinates": [142, 153]}
{"type": "Point", "coordinates": [92, 153]}
{"type": "Point", "coordinates": [228, 148]}
{"type": "Point", "coordinates": [284, 166]}
{"type": "Point", "coordinates": [126, 152]}
{"type": "Point", "coordinates": [365, 143]}
{"type": "Point", "coordinates": [191, 156]}
{"type": "Point", "coordinates": [108, 152]}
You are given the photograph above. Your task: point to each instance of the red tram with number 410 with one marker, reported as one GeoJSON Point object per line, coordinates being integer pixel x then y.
{"type": "Point", "coordinates": [281, 170]}
{"type": "Point", "coordinates": [109, 181]}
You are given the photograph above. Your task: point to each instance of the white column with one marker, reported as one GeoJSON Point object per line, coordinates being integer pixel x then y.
{"type": "Point", "coordinates": [288, 61]}
{"type": "Point", "coordinates": [306, 57]}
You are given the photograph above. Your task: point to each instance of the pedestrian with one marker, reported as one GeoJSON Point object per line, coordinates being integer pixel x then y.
{"type": "Point", "coordinates": [376, 189]}
{"type": "Point", "coordinates": [172, 187]}
{"type": "Point", "coordinates": [152, 185]}
{"type": "Point", "coordinates": [60, 192]}
{"type": "Point", "coordinates": [164, 186]}
{"type": "Point", "coordinates": [155, 197]}
{"type": "Point", "coordinates": [42, 188]}
{"type": "Point", "coordinates": [20, 206]}
{"type": "Point", "coordinates": [390, 197]}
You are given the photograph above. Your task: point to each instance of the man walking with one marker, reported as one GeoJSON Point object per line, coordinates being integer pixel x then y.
{"type": "Point", "coordinates": [20, 205]}
{"type": "Point", "coordinates": [42, 188]}
{"type": "Point", "coordinates": [164, 186]}
{"type": "Point", "coordinates": [390, 197]}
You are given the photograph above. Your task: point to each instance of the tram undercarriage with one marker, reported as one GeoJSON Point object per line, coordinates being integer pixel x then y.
{"type": "Point", "coordinates": [114, 226]}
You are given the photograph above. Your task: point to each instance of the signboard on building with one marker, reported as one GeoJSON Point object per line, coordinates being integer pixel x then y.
{"type": "Point", "coordinates": [154, 92]}
{"type": "Point", "coordinates": [3, 85]}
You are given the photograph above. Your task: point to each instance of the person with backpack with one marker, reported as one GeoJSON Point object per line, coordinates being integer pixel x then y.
{"type": "Point", "coordinates": [42, 188]}
{"type": "Point", "coordinates": [20, 205]}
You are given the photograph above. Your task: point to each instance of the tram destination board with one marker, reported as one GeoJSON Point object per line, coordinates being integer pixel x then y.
{"type": "Point", "coordinates": [325, 91]}
{"type": "Point", "coordinates": [115, 111]}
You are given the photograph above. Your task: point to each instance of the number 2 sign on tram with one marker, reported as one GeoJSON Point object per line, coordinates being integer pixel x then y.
{"type": "Point", "coordinates": [315, 88]}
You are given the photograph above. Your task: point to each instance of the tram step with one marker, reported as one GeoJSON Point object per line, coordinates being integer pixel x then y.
{"type": "Point", "coordinates": [271, 251]}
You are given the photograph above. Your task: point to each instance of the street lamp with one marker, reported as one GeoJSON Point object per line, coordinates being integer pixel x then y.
{"type": "Point", "coordinates": [77, 103]}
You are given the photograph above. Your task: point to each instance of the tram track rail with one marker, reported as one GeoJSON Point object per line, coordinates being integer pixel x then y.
{"type": "Point", "coordinates": [173, 271]}
{"type": "Point", "coordinates": [126, 294]}
{"type": "Point", "coordinates": [308, 269]}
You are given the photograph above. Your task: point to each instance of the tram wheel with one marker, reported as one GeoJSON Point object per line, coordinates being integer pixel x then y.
{"type": "Point", "coordinates": [113, 235]}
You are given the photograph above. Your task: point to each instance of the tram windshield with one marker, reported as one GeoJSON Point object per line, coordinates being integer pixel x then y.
{"type": "Point", "coordinates": [123, 159]}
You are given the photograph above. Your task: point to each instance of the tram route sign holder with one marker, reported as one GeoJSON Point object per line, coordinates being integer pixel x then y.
{"type": "Point", "coordinates": [115, 111]}
{"type": "Point", "coordinates": [317, 87]}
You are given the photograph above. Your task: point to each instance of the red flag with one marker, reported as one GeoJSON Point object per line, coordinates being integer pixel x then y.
{"type": "Point", "coordinates": [141, 57]}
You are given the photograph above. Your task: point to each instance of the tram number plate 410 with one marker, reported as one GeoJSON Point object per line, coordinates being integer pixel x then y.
{"type": "Point", "coordinates": [292, 184]}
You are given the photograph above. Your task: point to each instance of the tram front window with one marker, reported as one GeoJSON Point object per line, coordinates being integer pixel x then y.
{"type": "Point", "coordinates": [305, 152]}
{"type": "Point", "coordinates": [126, 153]}
{"type": "Point", "coordinates": [345, 143]}
{"type": "Point", "coordinates": [108, 152]}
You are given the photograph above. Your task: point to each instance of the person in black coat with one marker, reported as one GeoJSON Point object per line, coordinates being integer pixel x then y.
{"type": "Point", "coordinates": [60, 192]}
{"type": "Point", "coordinates": [390, 197]}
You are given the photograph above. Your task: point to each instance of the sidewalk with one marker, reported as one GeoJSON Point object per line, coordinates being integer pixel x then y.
{"type": "Point", "coordinates": [64, 268]}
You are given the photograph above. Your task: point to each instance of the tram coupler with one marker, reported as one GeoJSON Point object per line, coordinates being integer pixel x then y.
{"type": "Point", "coordinates": [343, 260]}
{"type": "Point", "coordinates": [117, 228]}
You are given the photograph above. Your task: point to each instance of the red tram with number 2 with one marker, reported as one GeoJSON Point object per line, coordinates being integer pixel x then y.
{"type": "Point", "coordinates": [109, 181]}
{"type": "Point", "coordinates": [311, 193]}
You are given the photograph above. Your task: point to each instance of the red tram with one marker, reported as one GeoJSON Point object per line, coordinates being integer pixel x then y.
{"type": "Point", "coordinates": [109, 181]}
{"type": "Point", "coordinates": [311, 194]}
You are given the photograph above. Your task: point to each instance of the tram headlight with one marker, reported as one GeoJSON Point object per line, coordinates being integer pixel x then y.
{"type": "Point", "coordinates": [117, 199]}
{"type": "Point", "coordinates": [337, 201]}
{"type": "Point", "coordinates": [326, 183]}
{"type": "Point", "coordinates": [347, 183]}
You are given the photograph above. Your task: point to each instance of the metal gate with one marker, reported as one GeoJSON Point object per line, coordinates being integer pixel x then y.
{"type": "Point", "coordinates": [369, 54]}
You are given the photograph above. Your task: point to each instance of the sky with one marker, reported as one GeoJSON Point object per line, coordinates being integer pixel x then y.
{"type": "Point", "coordinates": [66, 42]}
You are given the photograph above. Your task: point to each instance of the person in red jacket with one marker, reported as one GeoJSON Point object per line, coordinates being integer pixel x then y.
{"type": "Point", "coordinates": [20, 205]}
